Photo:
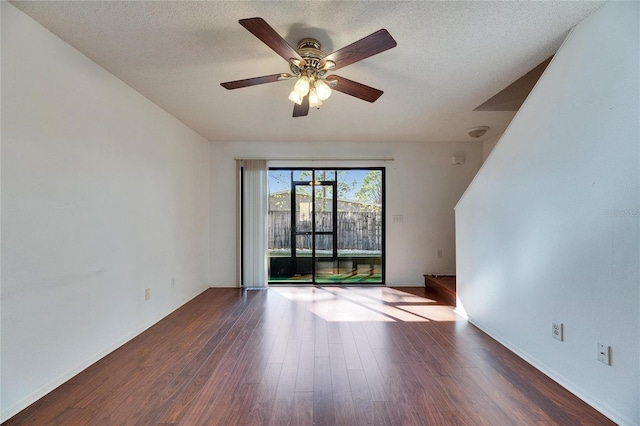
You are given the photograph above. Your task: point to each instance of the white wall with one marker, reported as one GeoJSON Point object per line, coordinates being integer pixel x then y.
{"type": "Point", "coordinates": [488, 145]}
{"type": "Point", "coordinates": [421, 185]}
{"type": "Point", "coordinates": [103, 195]}
{"type": "Point", "coordinates": [549, 228]}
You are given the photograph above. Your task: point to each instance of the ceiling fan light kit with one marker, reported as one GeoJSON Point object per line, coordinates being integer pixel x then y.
{"type": "Point", "coordinates": [309, 66]}
{"type": "Point", "coordinates": [310, 74]}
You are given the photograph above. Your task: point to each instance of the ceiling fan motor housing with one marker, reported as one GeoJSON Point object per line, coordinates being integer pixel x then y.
{"type": "Point", "coordinates": [309, 50]}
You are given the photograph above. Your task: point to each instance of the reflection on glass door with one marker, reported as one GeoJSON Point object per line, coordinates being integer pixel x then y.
{"type": "Point", "coordinates": [326, 226]}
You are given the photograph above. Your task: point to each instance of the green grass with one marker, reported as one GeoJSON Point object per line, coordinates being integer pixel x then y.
{"type": "Point", "coordinates": [331, 279]}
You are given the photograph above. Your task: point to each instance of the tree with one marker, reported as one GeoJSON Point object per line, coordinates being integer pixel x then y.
{"type": "Point", "coordinates": [322, 195]}
{"type": "Point", "coordinates": [371, 190]}
{"type": "Point", "coordinates": [343, 187]}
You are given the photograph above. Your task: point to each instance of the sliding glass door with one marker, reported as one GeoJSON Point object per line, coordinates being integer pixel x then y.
{"type": "Point", "coordinates": [326, 226]}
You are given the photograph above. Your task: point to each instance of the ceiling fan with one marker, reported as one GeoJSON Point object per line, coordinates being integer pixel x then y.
{"type": "Point", "coordinates": [309, 66]}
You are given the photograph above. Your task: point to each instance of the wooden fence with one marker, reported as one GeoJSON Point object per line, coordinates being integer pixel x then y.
{"type": "Point", "coordinates": [356, 231]}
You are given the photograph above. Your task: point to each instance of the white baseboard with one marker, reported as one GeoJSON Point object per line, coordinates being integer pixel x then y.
{"type": "Point", "coordinates": [607, 411]}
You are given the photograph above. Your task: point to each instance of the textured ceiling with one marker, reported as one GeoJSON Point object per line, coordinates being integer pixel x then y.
{"type": "Point", "coordinates": [450, 58]}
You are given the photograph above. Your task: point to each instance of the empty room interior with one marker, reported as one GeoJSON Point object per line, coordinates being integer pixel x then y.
{"type": "Point", "coordinates": [409, 213]}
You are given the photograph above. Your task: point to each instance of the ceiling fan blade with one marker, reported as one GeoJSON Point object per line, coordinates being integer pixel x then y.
{"type": "Point", "coordinates": [371, 45]}
{"type": "Point", "coordinates": [354, 88]}
{"type": "Point", "coordinates": [302, 109]}
{"type": "Point", "coordinates": [259, 28]}
{"type": "Point", "coordinates": [255, 81]}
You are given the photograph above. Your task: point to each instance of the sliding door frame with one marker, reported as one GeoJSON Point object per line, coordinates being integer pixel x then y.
{"type": "Point", "coordinates": [335, 200]}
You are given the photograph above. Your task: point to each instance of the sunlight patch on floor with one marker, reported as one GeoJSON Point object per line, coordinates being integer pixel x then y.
{"type": "Point", "coordinates": [432, 312]}
{"type": "Point", "coordinates": [355, 304]}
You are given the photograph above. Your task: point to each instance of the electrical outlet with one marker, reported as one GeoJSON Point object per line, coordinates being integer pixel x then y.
{"type": "Point", "coordinates": [557, 329]}
{"type": "Point", "coordinates": [604, 353]}
{"type": "Point", "coordinates": [147, 294]}
{"type": "Point", "coordinates": [439, 253]}
{"type": "Point", "coordinates": [173, 282]}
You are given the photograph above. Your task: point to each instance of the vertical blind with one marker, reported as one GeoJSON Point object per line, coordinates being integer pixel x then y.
{"type": "Point", "coordinates": [255, 211]}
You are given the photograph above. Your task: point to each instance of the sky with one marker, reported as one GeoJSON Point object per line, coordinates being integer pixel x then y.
{"type": "Point", "coordinates": [279, 180]}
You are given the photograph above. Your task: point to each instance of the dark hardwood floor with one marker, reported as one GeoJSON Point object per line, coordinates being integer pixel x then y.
{"type": "Point", "coordinates": [311, 355]}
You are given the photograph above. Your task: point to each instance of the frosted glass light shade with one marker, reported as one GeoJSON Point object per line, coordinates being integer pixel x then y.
{"type": "Point", "coordinates": [314, 100]}
{"type": "Point", "coordinates": [302, 86]}
{"type": "Point", "coordinates": [323, 90]}
{"type": "Point", "coordinates": [295, 97]}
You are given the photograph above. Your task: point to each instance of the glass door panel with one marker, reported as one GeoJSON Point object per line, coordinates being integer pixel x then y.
{"type": "Point", "coordinates": [304, 175]}
{"type": "Point", "coordinates": [326, 226]}
{"type": "Point", "coordinates": [303, 245]}
{"type": "Point", "coordinates": [361, 226]}
{"type": "Point", "coordinates": [324, 246]}
{"type": "Point", "coordinates": [301, 232]}
{"type": "Point", "coordinates": [303, 209]}
{"type": "Point", "coordinates": [324, 208]}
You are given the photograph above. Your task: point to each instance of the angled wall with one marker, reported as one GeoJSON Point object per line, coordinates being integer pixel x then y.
{"type": "Point", "coordinates": [103, 196]}
{"type": "Point", "coordinates": [549, 228]}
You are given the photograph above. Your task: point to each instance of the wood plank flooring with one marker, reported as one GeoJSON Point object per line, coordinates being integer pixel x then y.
{"type": "Point", "coordinates": [311, 356]}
